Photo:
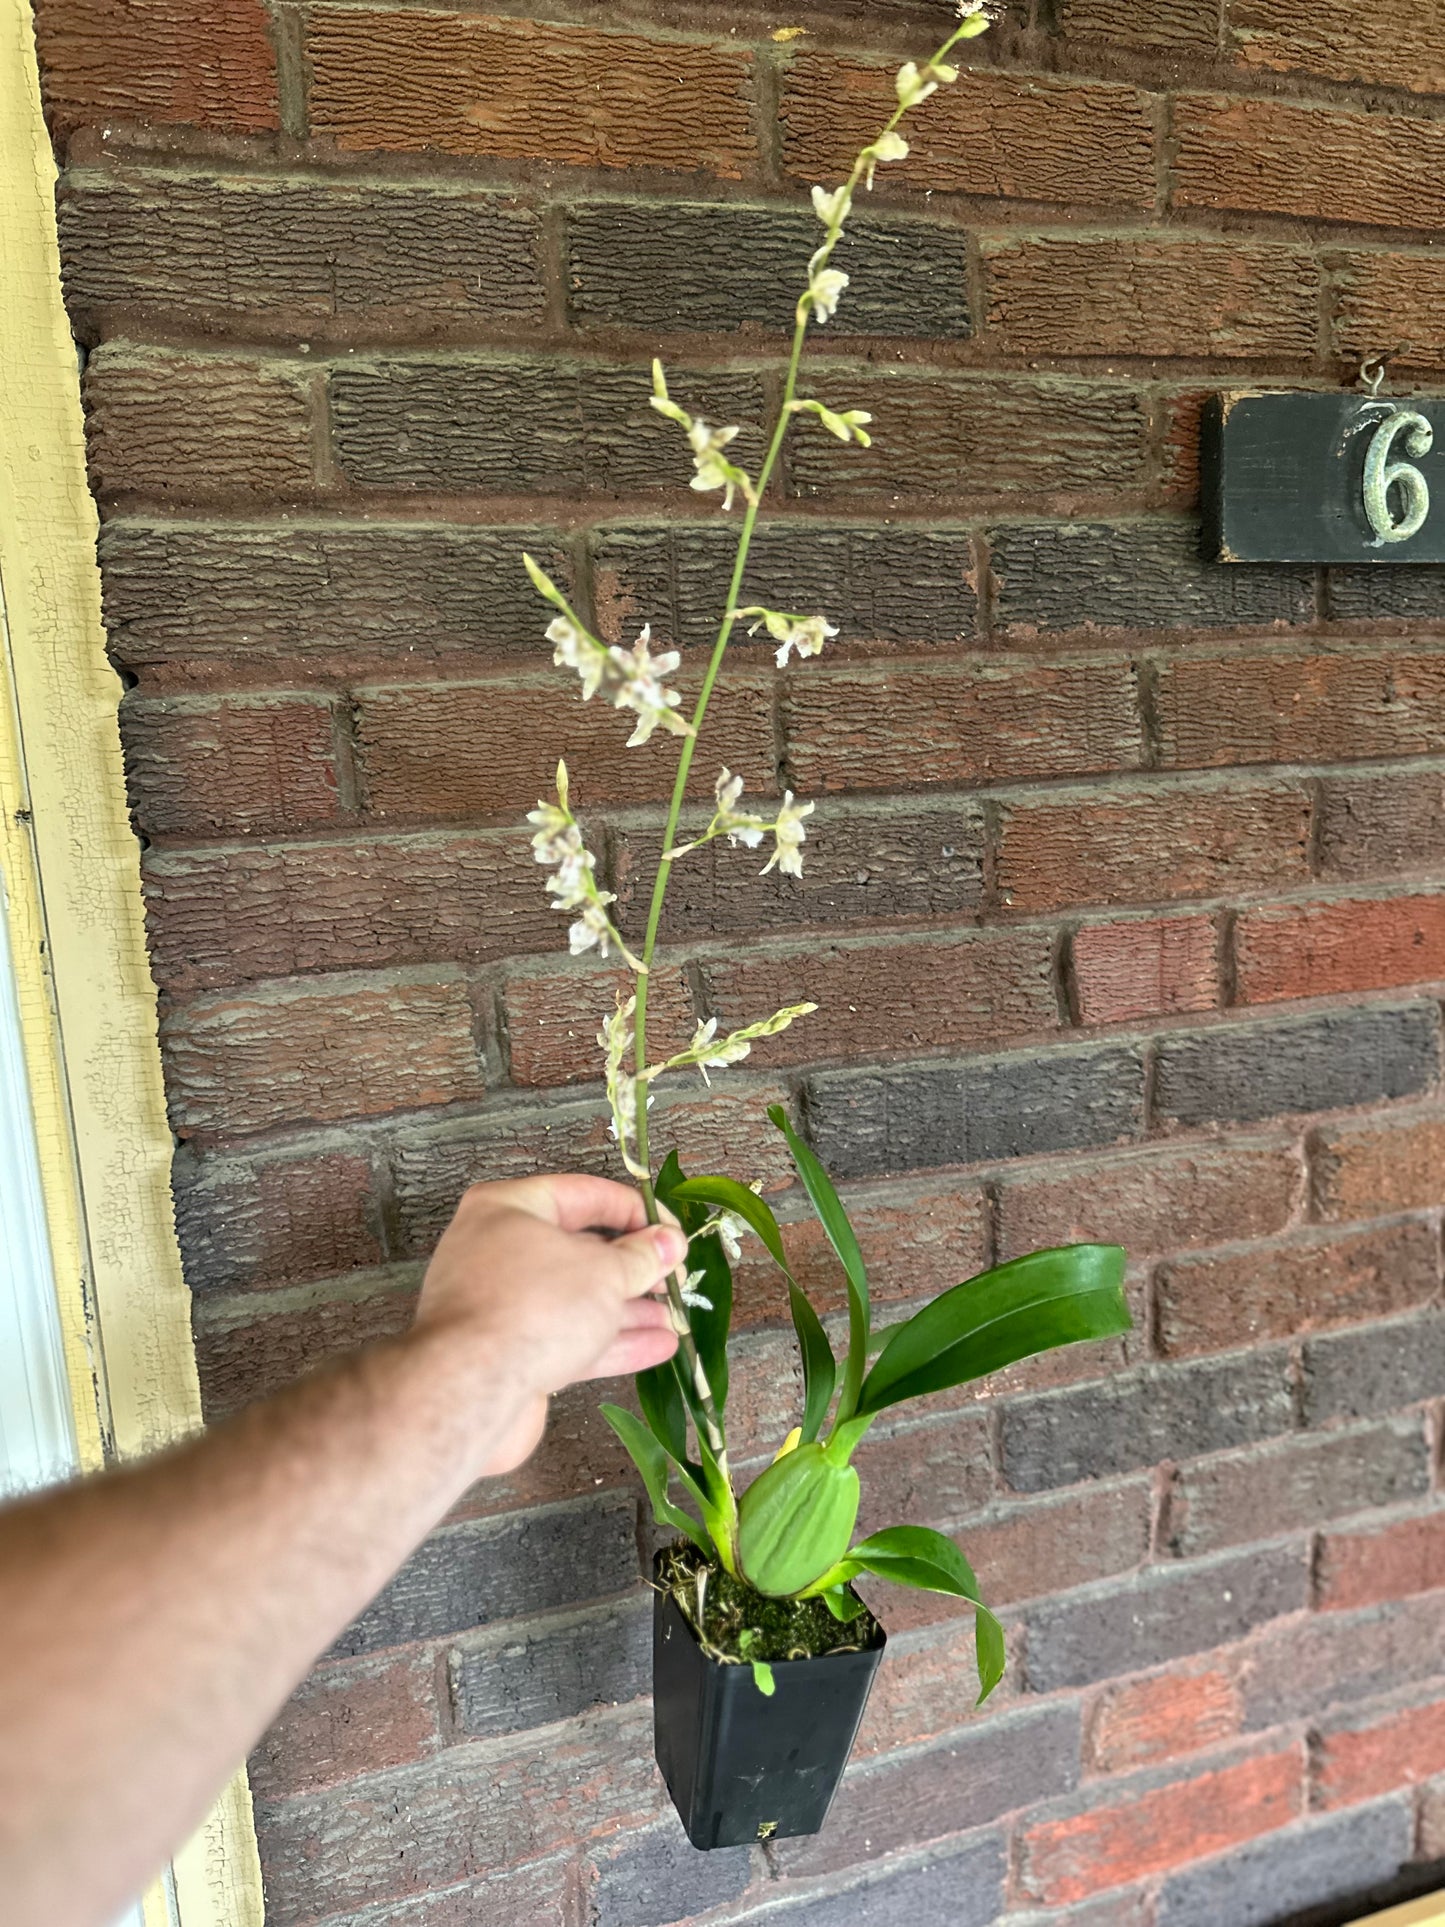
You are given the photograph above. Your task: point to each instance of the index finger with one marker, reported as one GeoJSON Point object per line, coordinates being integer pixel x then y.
{"type": "Point", "coordinates": [574, 1202]}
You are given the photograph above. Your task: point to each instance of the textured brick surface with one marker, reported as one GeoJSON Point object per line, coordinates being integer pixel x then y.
{"type": "Point", "coordinates": [1305, 1064]}
{"type": "Point", "coordinates": [476, 84]}
{"type": "Point", "coordinates": [658, 1877]}
{"type": "Point", "coordinates": [1153, 296]}
{"type": "Point", "coordinates": [1295, 1483]}
{"type": "Point", "coordinates": [957, 1889]}
{"type": "Point", "coordinates": [1384, 1369]}
{"type": "Point", "coordinates": [1145, 968]}
{"type": "Point", "coordinates": [1297, 1671]}
{"type": "Point", "coordinates": [1108, 1846]}
{"type": "Point", "coordinates": [1210, 1303]}
{"type": "Point", "coordinates": [275, 1219]}
{"type": "Point", "coordinates": [1314, 950]}
{"type": "Point", "coordinates": [233, 765]}
{"type": "Point", "coordinates": [172, 426]}
{"type": "Point", "coordinates": [864, 1122]}
{"type": "Point", "coordinates": [1398, 294]}
{"type": "Point", "coordinates": [1145, 1722]}
{"type": "Point", "coordinates": [1362, 1757]}
{"type": "Point", "coordinates": [549, 1669]}
{"type": "Point", "coordinates": [1033, 140]}
{"type": "Point", "coordinates": [1388, 1562]}
{"type": "Point", "coordinates": [1392, 48]}
{"type": "Point", "coordinates": [1071, 577]}
{"type": "Point", "coordinates": [1378, 826]}
{"type": "Point", "coordinates": [166, 61]}
{"type": "Point", "coordinates": [243, 248]}
{"type": "Point", "coordinates": [1162, 1615]}
{"type": "Point", "coordinates": [1171, 1412]}
{"type": "Point", "coordinates": [1300, 1868]}
{"type": "Point", "coordinates": [348, 1720]}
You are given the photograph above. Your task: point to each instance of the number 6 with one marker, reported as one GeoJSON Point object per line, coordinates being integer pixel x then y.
{"type": "Point", "coordinates": [1381, 475]}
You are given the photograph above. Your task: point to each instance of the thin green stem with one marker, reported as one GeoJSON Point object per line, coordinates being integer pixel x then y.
{"type": "Point", "coordinates": [686, 1345]}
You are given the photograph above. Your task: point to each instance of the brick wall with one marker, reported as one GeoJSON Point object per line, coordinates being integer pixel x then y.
{"type": "Point", "coordinates": [1128, 879]}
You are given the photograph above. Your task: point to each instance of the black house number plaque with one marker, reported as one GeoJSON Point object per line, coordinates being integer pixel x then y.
{"type": "Point", "coordinates": [1343, 477]}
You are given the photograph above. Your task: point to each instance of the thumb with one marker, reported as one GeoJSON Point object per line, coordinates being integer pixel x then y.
{"type": "Point", "coordinates": [644, 1258]}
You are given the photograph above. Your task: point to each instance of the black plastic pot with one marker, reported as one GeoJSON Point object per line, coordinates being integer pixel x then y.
{"type": "Point", "coordinates": [742, 1766]}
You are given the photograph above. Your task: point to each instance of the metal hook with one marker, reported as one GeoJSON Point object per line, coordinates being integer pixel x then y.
{"type": "Point", "coordinates": [1373, 382]}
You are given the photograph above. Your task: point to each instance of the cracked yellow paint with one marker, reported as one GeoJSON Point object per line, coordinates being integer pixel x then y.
{"type": "Point", "coordinates": [69, 865]}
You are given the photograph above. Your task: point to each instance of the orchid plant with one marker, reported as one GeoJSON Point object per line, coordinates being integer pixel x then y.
{"type": "Point", "coordinates": [788, 1536]}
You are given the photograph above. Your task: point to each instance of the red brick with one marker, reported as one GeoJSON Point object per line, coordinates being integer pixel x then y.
{"type": "Point", "coordinates": [348, 1720]}
{"type": "Point", "coordinates": [178, 426]}
{"type": "Point", "coordinates": [1361, 1762]}
{"type": "Point", "coordinates": [1157, 1200]}
{"type": "Point", "coordinates": [1021, 138]}
{"type": "Point", "coordinates": [980, 989]}
{"type": "Point", "coordinates": [1220, 1300]}
{"type": "Point", "coordinates": [1173, 26]}
{"type": "Point", "coordinates": [1154, 967]}
{"type": "Point", "coordinates": [862, 728]}
{"type": "Point", "coordinates": [1217, 711]}
{"type": "Point", "coordinates": [1317, 163]}
{"type": "Point", "coordinates": [1144, 1722]}
{"type": "Point", "coordinates": [518, 90]}
{"type": "Point", "coordinates": [233, 765]}
{"type": "Point", "coordinates": [1392, 297]}
{"type": "Point", "coordinates": [1064, 1860]}
{"type": "Point", "coordinates": [553, 1013]}
{"type": "Point", "coordinates": [171, 62]}
{"type": "Point", "coordinates": [965, 440]}
{"type": "Point", "coordinates": [1380, 1164]}
{"type": "Point", "coordinates": [1151, 845]}
{"type": "Point", "coordinates": [222, 916]}
{"type": "Point", "coordinates": [1392, 1562]}
{"type": "Point", "coordinates": [928, 1687]}
{"type": "Point", "coordinates": [1389, 45]}
{"type": "Point", "coordinates": [275, 1220]}
{"type": "Point", "coordinates": [1150, 295]}
{"type": "Point", "coordinates": [441, 752]}
{"type": "Point", "coordinates": [1329, 949]}
{"type": "Point", "coordinates": [286, 1055]}
{"type": "Point", "coordinates": [1043, 1546]}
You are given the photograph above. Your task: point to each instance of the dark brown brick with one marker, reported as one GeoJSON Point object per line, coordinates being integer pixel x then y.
{"type": "Point", "coordinates": [1151, 844]}
{"type": "Point", "coordinates": [283, 1055]}
{"type": "Point", "coordinates": [551, 1668]}
{"type": "Point", "coordinates": [859, 728]}
{"type": "Point", "coordinates": [702, 266]}
{"type": "Point", "coordinates": [649, 1879]}
{"type": "Point", "coordinates": [277, 1219]}
{"type": "Point", "coordinates": [325, 599]}
{"type": "Point", "coordinates": [552, 1013]}
{"type": "Point", "coordinates": [866, 861]}
{"type": "Point", "coordinates": [1382, 825]}
{"type": "Point", "coordinates": [242, 250]}
{"type": "Point", "coordinates": [517, 90]}
{"type": "Point", "coordinates": [175, 426]}
{"type": "Point", "coordinates": [1295, 1484]}
{"type": "Point", "coordinates": [1175, 26]}
{"type": "Point", "coordinates": [1308, 160]}
{"type": "Point", "coordinates": [984, 989]}
{"type": "Point", "coordinates": [1219, 1300]}
{"type": "Point", "coordinates": [448, 752]}
{"type": "Point", "coordinates": [1302, 1867]}
{"type": "Point", "coordinates": [171, 62]}
{"type": "Point", "coordinates": [228, 915]}
{"type": "Point", "coordinates": [1225, 710]}
{"type": "Point", "coordinates": [1150, 295]}
{"type": "Point", "coordinates": [962, 439]}
{"type": "Point", "coordinates": [1037, 1547]}
{"type": "Point", "coordinates": [247, 1353]}
{"type": "Point", "coordinates": [1022, 138]}
{"type": "Point", "coordinates": [478, 425]}
{"type": "Point", "coordinates": [1395, 297]}
{"type": "Point", "coordinates": [1083, 578]}
{"type": "Point", "coordinates": [231, 765]}
{"type": "Point", "coordinates": [1382, 1368]}
{"type": "Point", "coordinates": [1299, 1669]}
{"type": "Point", "coordinates": [1156, 1200]}
{"type": "Point", "coordinates": [879, 585]}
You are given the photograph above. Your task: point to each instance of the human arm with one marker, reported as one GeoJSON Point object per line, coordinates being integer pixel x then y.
{"type": "Point", "coordinates": [154, 1620]}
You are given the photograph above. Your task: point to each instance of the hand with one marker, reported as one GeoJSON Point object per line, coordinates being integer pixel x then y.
{"type": "Point", "coordinates": [522, 1275]}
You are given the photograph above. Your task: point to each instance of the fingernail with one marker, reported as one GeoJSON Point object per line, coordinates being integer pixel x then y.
{"type": "Point", "coordinates": [671, 1245]}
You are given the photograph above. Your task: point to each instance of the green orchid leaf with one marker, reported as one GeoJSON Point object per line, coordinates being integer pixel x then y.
{"type": "Point", "coordinates": [656, 1466]}
{"type": "Point", "coordinates": [712, 1322]}
{"type": "Point", "coordinates": [834, 1220]}
{"type": "Point", "coordinates": [845, 1606]}
{"type": "Point", "coordinates": [930, 1562]}
{"type": "Point", "coordinates": [763, 1678]}
{"type": "Point", "coordinates": [820, 1370]}
{"type": "Point", "coordinates": [664, 1408]}
{"type": "Point", "coordinates": [1030, 1305]}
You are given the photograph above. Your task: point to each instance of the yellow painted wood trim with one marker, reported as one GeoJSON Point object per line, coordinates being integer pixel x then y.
{"type": "Point", "coordinates": [1429, 1912]}
{"type": "Point", "coordinates": [72, 868]}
